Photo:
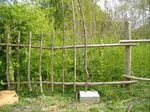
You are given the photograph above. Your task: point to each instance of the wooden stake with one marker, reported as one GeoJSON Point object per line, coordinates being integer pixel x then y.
{"type": "Point", "coordinates": [128, 48]}
{"type": "Point", "coordinates": [40, 65]}
{"type": "Point", "coordinates": [8, 61]}
{"type": "Point", "coordinates": [74, 42]}
{"type": "Point", "coordinates": [52, 63]}
{"type": "Point", "coordinates": [63, 50]}
{"type": "Point", "coordinates": [95, 4]}
{"type": "Point", "coordinates": [85, 43]}
{"type": "Point", "coordinates": [130, 108]}
{"type": "Point", "coordinates": [18, 64]}
{"type": "Point", "coordinates": [29, 62]}
{"type": "Point", "coordinates": [52, 51]}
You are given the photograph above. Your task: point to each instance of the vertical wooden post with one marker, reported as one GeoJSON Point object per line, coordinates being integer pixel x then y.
{"type": "Point", "coordinates": [18, 75]}
{"type": "Point", "coordinates": [85, 43]}
{"type": "Point", "coordinates": [95, 7]}
{"type": "Point", "coordinates": [52, 63]}
{"type": "Point", "coordinates": [128, 48]}
{"type": "Point", "coordinates": [8, 61]}
{"type": "Point", "coordinates": [74, 42]}
{"type": "Point", "coordinates": [63, 50]}
{"type": "Point", "coordinates": [40, 65]}
{"type": "Point", "coordinates": [52, 50]}
{"type": "Point", "coordinates": [29, 62]}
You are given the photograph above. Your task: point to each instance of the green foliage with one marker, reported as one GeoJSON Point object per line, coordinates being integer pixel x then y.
{"type": "Point", "coordinates": [23, 18]}
{"type": "Point", "coordinates": [104, 64]}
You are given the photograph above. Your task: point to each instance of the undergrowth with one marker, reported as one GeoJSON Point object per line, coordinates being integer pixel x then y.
{"type": "Point", "coordinates": [113, 99]}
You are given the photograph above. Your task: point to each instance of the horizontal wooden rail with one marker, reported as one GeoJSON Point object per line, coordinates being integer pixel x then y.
{"type": "Point", "coordinates": [78, 83]}
{"type": "Point", "coordinates": [70, 47]}
{"type": "Point", "coordinates": [95, 45]}
{"type": "Point", "coordinates": [136, 78]}
{"type": "Point", "coordinates": [135, 41]}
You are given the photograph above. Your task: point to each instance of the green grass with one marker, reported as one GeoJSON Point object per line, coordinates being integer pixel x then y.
{"type": "Point", "coordinates": [113, 99]}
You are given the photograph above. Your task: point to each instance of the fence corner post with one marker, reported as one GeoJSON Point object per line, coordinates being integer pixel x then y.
{"type": "Point", "coordinates": [127, 27]}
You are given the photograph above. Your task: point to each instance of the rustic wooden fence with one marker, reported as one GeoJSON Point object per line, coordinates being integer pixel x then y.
{"type": "Point", "coordinates": [127, 43]}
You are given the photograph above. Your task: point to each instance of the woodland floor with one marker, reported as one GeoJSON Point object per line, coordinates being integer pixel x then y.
{"type": "Point", "coordinates": [113, 99]}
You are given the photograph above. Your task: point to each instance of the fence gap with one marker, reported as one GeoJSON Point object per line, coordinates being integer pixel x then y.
{"type": "Point", "coordinates": [29, 62]}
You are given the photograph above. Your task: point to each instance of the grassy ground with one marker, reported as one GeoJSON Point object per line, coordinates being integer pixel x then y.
{"type": "Point", "coordinates": [113, 99]}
